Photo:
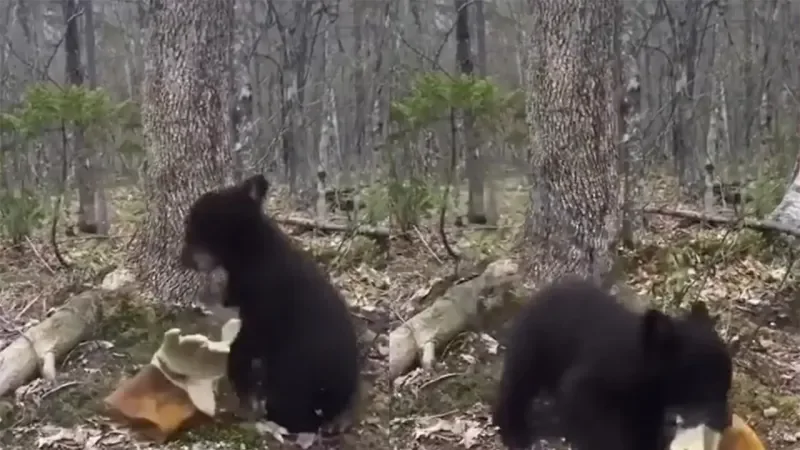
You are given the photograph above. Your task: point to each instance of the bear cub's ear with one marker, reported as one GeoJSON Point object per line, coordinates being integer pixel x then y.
{"type": "Point", "coordinates": [658, 333]}
{"type": "Point", "coordinates": [256, 187]}
{"type": "Point", "coordinates": [699, 312]}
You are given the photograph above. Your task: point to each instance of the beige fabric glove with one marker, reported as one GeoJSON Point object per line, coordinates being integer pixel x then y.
{"type": "Point", "coordinates": [194, 363]}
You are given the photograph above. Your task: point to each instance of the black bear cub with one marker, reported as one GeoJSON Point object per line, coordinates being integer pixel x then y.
{"type": "Point", "coordinates": [294, 322]}
{"type": "Point", "coordinates": [616, 376]}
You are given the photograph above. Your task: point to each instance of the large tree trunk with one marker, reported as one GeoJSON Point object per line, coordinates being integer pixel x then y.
{"type": "Point", "coordinates": [186, 130]}
{"type": "Point", "coordinates": [574, 218]}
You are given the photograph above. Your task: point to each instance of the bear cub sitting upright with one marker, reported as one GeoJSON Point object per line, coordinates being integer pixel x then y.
{"type": "Point", "coordinates": [616, 376]}
{"type": "Point", "coordinates": [293, 321]}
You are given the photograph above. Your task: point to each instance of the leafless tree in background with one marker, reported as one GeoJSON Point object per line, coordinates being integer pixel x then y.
{"type": "Point", "coordinates": [94, 175]}
{"type": "Point", "coordinates": [476, 209]}
{"type": "Point", "coordinates": [91, 204]}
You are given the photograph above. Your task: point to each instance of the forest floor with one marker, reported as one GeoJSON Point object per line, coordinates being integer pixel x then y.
{"type": "Point", "coordinates": [741, 274]}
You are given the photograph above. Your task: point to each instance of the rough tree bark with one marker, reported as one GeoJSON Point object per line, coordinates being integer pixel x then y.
{"type": "Point", "coordinates": [186, 129]}
{"type": "Point", "coordinates": [574, 217]}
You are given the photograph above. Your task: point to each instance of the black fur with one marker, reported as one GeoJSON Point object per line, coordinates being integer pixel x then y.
{"type": "Point", "coordinates": [616, 375]}
{"type": "Point", "coordinates": [293, 320]}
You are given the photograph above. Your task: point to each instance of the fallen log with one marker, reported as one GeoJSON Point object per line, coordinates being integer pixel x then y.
{"type": "Point", "coordinates": [37, 349]}
{"type": "Point", "coordinates": [421, 336]}
{"type": "Point", "coordinates": [715, 219]}
{"type": "Point", "coordinates": [310, 224]}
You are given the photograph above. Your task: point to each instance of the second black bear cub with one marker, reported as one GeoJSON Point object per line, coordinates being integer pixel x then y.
{"type": "Point", "coordinates": [293, 320]}
{"type": "Point", "coordinates": [616, 375]}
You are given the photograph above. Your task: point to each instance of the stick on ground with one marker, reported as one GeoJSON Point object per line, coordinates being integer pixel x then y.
{"type": "Point", "coordinates": [753, 224]}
